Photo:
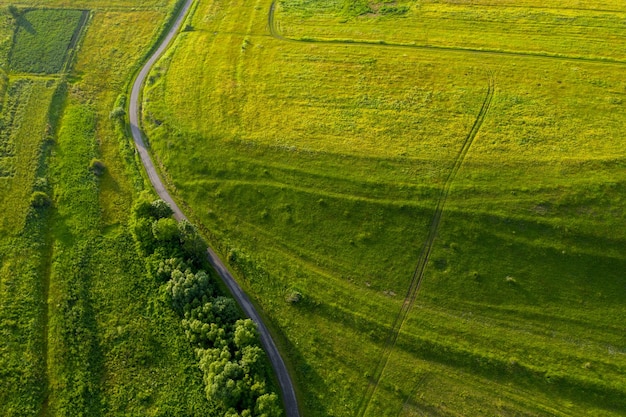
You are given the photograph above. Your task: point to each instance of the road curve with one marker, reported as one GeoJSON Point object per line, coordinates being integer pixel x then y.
{"type": "Point", "coordinates": [284, 380]}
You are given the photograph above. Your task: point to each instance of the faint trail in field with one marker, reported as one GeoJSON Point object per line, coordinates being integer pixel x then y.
{"type": "Point", "coordinates": [275, 32]}
{"type": "Point", "coordinates": [424, 255]}
{"type": "Point", "coordinates": [419, 384]}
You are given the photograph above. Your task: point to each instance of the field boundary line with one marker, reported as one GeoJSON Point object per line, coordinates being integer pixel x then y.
{"type": "Point", "coordinates": [275, 32]}
{"type": "Point", "coordinates": [418, 274]}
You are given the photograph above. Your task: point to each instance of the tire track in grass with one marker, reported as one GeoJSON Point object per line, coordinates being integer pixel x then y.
{"type": "Point", "coordinates": [424, 255]}
{"type": "Point", "coordinates": [418, 274]}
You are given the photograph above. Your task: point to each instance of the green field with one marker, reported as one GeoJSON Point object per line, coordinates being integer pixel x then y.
{"type": "Point", "coordinates": [441, 182]}
{"type": "Point", "coordinates": [84, 329]}
{"type": "Point", "coordinates": [44, 39]}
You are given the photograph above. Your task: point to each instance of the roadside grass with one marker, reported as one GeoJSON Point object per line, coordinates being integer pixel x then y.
{"type": "Point", "coordinates": [315, 169]}
{"type": "Point", "coordinates": [108, 54]}
{"type": "Point", "coordinates": [43, 39]}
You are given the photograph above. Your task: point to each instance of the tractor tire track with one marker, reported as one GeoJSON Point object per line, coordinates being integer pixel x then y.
{"type": "Point", "coordinates": [424, 255]}
{"type": "Point", "coordinates": [418, 274]}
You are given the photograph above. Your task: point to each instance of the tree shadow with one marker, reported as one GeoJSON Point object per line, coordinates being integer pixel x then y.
{"type": "Point", "coordinates": [23, 23]}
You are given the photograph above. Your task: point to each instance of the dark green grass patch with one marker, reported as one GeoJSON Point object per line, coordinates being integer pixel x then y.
{"type": "Point", "coordinates": [43, 40]}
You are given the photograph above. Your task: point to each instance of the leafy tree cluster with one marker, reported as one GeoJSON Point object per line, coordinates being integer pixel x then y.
{"type": "Point", "coordinates": [227, 346]}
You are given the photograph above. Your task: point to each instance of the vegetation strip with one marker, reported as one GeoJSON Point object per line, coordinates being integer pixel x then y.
{"type": "Point", "coordinates": [286, 385]}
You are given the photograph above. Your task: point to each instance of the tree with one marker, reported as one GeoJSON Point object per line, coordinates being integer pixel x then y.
{"type": "Point", "coordinates": [161, 270]}
{"type": "Point", "coordinates": [192, 244]}
{"type": "Point", "coordinates": [187, 290]}
{"type": "Point", "coordinates": [267, 405]}
{"type": "Point", "coordinates": [165, 230]}
{"type": "Point", "coordinates": [160, 209]}
{"type": "Point", "coordinates": [246, 334]}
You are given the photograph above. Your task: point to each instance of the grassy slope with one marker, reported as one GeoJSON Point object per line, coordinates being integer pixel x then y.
{"type": "Point", "coordinates": [110, 346]}
{"type": "Point", "coordinates": [317, 166]}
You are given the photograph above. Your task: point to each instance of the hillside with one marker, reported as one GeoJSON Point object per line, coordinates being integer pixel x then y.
{"type": "Point", "coordinates": [425, 198]}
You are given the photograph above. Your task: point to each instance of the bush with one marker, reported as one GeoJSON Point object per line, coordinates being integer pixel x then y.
{"type": "Point", "coordinates": [97, 167]}
{"type": "Point", "coordinates": [294, 297]}
{"type": "Point", "coordinates": [117, 113]}
{"type": "Point", "coordinates": [39, 199]}
{"type": "Point", "coordinates": [393, 10]}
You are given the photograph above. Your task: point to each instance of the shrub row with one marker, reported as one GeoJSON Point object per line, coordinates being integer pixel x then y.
{"type": "Point", "coordinates": [227, 346]}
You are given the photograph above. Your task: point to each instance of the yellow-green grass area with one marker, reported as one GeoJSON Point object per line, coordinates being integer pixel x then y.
{"type": "Point", "coordinates": [85, 331]}
{"type": "Point", "coordinates": [529, 261]}
{"type": "Point", "coordinates": [316, 168]}
{"type": "Point", "coordinates": [585, 30]}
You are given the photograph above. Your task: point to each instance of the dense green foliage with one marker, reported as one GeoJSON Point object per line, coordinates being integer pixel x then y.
{"type": "Point", "coordinates": [43, 39]}
{"type": "Point", "coordinates": [236, 372]}
{"type": "Point", "coordinates": [324, 161]}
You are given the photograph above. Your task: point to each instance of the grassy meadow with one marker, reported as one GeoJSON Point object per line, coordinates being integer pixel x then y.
{"type": "Point", "coordinates": [85, 330]}
{"type": "Point", "coordinates": [318, 161]}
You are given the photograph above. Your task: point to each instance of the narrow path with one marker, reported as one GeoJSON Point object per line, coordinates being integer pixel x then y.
{"type": "Point", "coordinates": [284, 380]}
{"type": "Point", "coordinates": [418, 274]}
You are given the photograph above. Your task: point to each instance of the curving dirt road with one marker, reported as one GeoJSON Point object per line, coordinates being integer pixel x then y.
{"type": "Point", "coordinates": [284, 380]}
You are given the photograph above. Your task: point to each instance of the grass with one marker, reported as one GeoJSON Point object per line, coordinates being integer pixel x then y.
{"type": "Point", "coordinates": [84, 329]}
{"type": "Point", "coordinates": [315, 164]}
{"type": "Point", "coordinates": [43, 40]}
